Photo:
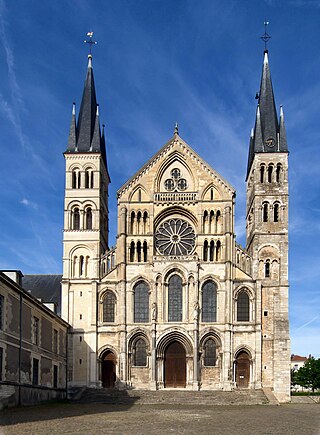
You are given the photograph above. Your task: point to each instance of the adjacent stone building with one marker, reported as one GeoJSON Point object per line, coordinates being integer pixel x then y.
{"type": "Point", "coordinates": [33, 346]}
{"type": "Point", "coordinates": [177, 302]}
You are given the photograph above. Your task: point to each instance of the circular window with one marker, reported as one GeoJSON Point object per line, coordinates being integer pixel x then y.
{"type": "Point", "coordinates": [175, 237]}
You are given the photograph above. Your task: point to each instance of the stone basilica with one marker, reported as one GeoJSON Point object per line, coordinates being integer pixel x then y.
{"type": "Point", "coordinates": [177, 303]}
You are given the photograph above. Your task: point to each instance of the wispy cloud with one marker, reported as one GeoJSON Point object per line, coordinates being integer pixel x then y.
{"type": "Point", "coordinates": [29, 203]}
{"type": "Point", "coordinates": [308, 323]}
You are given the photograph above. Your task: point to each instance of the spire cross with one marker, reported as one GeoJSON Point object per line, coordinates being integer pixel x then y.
{"type": "Point", "coordinates": [265, 37]}
{"type": "Point", "coordinates": [90, 41]}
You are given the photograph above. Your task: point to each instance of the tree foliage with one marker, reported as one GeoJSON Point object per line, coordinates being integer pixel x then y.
{"type": "Point", "coordinates": [308, 376]}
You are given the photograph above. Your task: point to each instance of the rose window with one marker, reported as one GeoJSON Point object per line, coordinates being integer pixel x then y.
{"type": "Point", "coordinates": [175, 237]}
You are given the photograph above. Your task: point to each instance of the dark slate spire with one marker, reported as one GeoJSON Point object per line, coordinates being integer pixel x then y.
{"type": "Point", "coordinates": [269, 136]}
{"type": "Point", "coordinates": [268, 112]}
{"type": "Point", "coordinates": [72, 140]}
{"type": "Point", "coordinates": [283, 146]}
{"type": "Point", "coordinates": [86, 136]}
{"type": "Point", "coordinates": [103, 150]}
{"type": "Point", "coordinates": [96, 138]}
{"type": "Point", "coordinates": [88, 109]}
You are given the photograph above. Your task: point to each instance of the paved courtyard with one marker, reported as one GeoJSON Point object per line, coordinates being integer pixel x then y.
{"type": "Point", "coordinates": [302, 419]}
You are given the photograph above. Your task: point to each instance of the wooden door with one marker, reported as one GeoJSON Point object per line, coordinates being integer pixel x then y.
{"type": "Point", "coordinates": [243, 370]}
{"type": "Point", "coordinates": [108, 370]}
{"type": "Point", "coordinates": [175, 366]}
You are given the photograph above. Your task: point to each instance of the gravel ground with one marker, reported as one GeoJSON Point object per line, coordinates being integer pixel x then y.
{"type": "Point", "coordinates": [64, 418]}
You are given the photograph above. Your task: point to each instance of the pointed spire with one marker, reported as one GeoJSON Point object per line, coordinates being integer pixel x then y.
{"type": "Point", "coordinates": [103, 150]}
{"type": "Point", "coordinates": [269, 136]}
{"type": "Point", "coordinates": [87, 114]}
{"type": "Point", "coordinates": [95, 145]}
{"type": "Point", "coordinates": [258, 138]}
{"type": "Point", "coordinates": [283, 146]}
{"type": "Point", "coordinates": [72, 140]}
{"type": "Point", "coordinates": [176, 129]}
{"type": "Point", "coordinates": [269, 118]}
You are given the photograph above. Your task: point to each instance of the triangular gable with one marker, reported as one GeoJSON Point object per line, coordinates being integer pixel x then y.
{"type": "Point", "coordinates": [161, 154]}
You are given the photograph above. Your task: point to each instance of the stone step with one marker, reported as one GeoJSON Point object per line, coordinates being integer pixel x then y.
{"type": "Point", "coordinates": [174, 396]}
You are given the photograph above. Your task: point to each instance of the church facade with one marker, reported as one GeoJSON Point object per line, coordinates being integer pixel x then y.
{"type": "Point", "coordinates": [177, 303]}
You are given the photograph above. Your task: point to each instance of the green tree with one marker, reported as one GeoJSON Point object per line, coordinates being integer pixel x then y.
{"type": "Point", "coordinates": [308, 376]}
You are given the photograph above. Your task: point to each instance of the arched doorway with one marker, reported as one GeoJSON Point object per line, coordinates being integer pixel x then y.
{"type": "Point", "coordinates": [175, 366]}
{"type": "Point", "coordinates": [108, 369]}
{"type": "Point", "coordinates": [242, 374]}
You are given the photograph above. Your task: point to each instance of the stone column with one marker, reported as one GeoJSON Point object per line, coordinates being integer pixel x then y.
{"type": "Point", "coordinates": [123, 369]}
{"type": "Point", "coordinates": [154, 313]}
{"type": "Point", "coordinates": [195, 383]}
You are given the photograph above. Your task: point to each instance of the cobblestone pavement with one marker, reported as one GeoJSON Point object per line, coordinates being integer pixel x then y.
{"type": "Point", "coordinates": [302, 419]}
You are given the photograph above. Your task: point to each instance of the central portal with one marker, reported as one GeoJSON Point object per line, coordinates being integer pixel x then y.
{"type": "Point", "coordinates": [175, 366]}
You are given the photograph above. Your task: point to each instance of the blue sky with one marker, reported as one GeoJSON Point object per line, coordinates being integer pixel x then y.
{"type": "Point", "coordinates": [157, 62]}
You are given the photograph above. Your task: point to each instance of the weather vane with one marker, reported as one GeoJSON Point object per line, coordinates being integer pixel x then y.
{"type": "Point", "coordinates": [265, 37]}
{"type": "Point", "coordinates": [90, 41]}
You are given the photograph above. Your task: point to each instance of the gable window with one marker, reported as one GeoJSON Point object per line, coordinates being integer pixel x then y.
{"type": "Point", "coordinates": [243, 307]}
{"type": "Point", "coordinates": [141, 303]}
{"type": "Point", "coordinates": [209, 301]}
{"type": "Point", "coordinates": [140, 353]}
{"type": "Point", "coordinates": [109, 302]}
{"type": "Point", "coordinates": [210, 353]}
{"type": "Point", "coordinates": [175, 299]}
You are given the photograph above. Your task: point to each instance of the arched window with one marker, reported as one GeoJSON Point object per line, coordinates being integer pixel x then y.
{"type": "Point", "coordinates": [205, 250]}
{"type": "Point", "coordinates": [243, 307]}
{"type": "Point", "coordinates": [81, 265]}
{"type": "Point", "coordinates": [141, 303]}
{"type": "Point", "coordinates": [209, 302]}
{"type": "Point", "coordinates": [139, 222]}
{"type": "Point", "coordinates": [278, 173]}
{"type": "Point", "coordinates": [218, 221]}
{"type": "Point", "coordinates": [210, 353]}
{"type": "Point", "coordinates": [211, 194]}
{"type": "Point", "coordinates": [88, 218]}
{"type": "Point", "coordinates": [276, 209]}
{"type": "Point", "coordinates": [145, 251]}
{"type": "Point", "coordinates": [76, 219]}
{"type": "Point", "coordinates": [211, 222]}
{"type": "Point", "coordinates": [175, 299]}
{"type": "Point", "coordinates": [140, 353]}
{"type": "Point", "coordinates": [109, 302]}
{"type": "Point", "coordinates": [76, 179]}
{"type": "Point", "coordinates": [145, 222]}
{"type": "Point", "coordinates": [205, 220]}
{"type": "Point", "coordinates": [218, 251]}
{"type": "Point", "coordinates": [262, 169]}
{"type": "Point", "coordinates": [211, 251]}
{"type": "Point", "coordinates": [265, 212]}
{"type": "Point", "coordinates": [139, 251]}
{"type": "Point", "coordinates": [270, 171]}
{"type": "Point", "coordinates": [132, 252]}
{"type": "Point", "coordinates": [132, 221]}
{"type": "Point", "coordinates": [139, 195]}
{"type": "Point", "coordinates": [267, 269]}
